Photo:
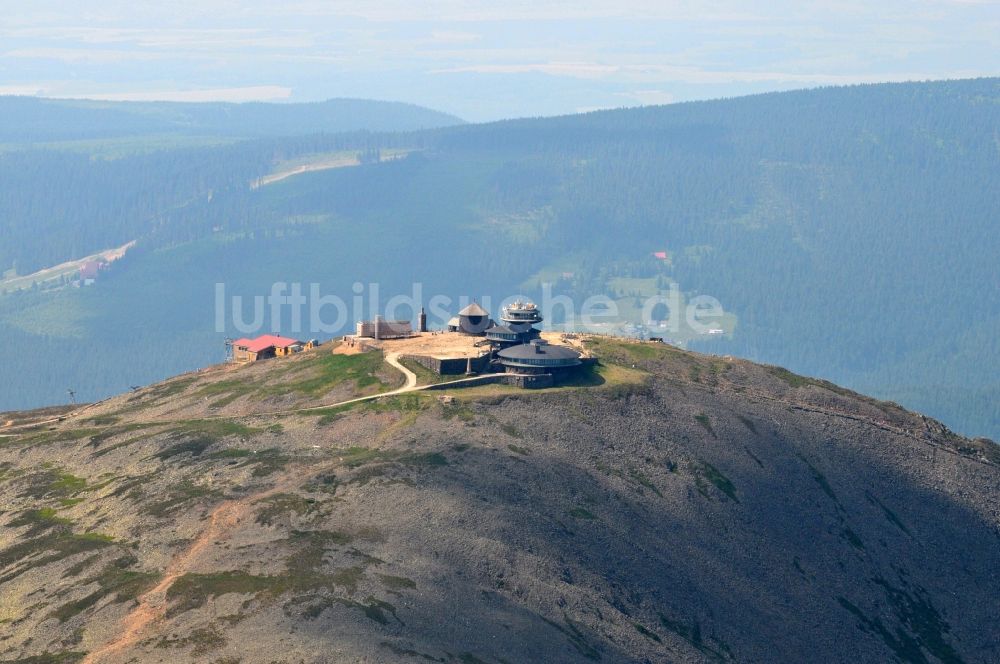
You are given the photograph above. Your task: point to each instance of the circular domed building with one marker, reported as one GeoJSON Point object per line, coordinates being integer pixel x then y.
{"type": "Point", "coordinates": [538, 357]}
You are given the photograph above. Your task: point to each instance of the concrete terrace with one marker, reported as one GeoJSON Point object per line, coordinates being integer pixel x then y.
{"type": "Point", "coordinates": [452, 345]}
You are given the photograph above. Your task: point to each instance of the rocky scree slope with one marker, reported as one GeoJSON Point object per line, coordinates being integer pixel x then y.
{"type": "Point", "coordinates": [668, 507]}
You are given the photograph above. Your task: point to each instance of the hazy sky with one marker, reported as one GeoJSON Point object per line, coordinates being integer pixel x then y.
{"type": "Point", "coordinates": [484, 59]}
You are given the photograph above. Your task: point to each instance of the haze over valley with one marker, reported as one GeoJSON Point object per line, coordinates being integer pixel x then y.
{"type": "Point", "coordinates": [499, 333]}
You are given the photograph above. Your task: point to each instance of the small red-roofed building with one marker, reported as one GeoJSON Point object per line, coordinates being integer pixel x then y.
{"type": "Point", "coordinates": [89, 271]}
{"type": "Point", "coordinates": [264, 346]}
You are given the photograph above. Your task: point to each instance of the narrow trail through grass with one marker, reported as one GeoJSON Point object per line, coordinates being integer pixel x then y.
{"type": "Point", "coordinates": [222, 521]}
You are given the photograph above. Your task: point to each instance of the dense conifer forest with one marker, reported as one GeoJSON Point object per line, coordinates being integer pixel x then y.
{"type": "Point", "coordinates": [851, 231]}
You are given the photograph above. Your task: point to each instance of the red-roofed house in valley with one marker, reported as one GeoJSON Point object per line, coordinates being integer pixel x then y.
{"type": "Point", "coordinates": [662, 255]}
{"type": "Point", "coordinates": [267, 345]}
{"type": "Point", "coordinates": [89, 271]}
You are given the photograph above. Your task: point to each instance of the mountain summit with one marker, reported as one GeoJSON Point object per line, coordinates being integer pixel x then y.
{"type": "Point", "coordinates": [664, 506]}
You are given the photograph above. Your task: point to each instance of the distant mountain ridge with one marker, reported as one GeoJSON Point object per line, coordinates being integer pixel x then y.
{"type": "Point", "coordinates": [35, 119]}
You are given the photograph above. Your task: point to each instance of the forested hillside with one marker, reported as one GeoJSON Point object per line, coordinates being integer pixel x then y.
{"type": "Point", "coordinates": [851, 231]}
{"type": "Point", "coordinates": [60, 204]}
{"type": "Point", "coordinates": [79, 176]}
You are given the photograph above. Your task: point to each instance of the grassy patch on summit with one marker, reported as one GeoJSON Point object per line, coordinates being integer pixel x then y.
{"type": "Point", "coordinates": [310, 376]}
{"type": "Point", "coordinates": [424, 375]}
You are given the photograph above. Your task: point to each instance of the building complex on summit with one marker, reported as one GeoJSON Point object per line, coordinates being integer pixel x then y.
{"type": "Point", "coordinates": [473, 343]}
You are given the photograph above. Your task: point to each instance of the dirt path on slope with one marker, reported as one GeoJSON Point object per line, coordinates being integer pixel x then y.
{"type": "Point", "coordinates": [152, 605]}
{"type": "Point", "coordinates": [411, 378]}
{"type": "Point", "coordinates": [392, 359]}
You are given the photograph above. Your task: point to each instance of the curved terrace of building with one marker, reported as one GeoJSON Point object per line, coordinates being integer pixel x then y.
{"type": "Point", "coordinates": [538, 354]}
